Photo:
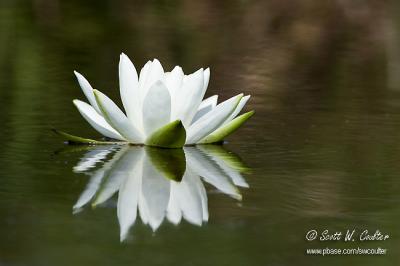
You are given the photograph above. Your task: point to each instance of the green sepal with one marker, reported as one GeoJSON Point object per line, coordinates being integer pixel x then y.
{"type": "Point", "coordinates": [172, 135]}
{"type": "Point", "coordinates": [171, 163]}
{"type": "Point", "coordinates": [221, 133]}
{"type": "Point", "coordinates": [79, 140]}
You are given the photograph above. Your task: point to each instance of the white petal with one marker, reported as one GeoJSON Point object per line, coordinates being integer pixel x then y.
{"type": "Point", "coordinates": [156, 191]}
{"type": "Point", "coordinates": [210, 101]}
{"type": "Point", "coordinates": [90, 190]}
{"type": "Point", "coordinates": [219, 158]}
{"type": "Point", "coordinates": [173, 80]}
{"type": "Point", "coordinates": [189, 199]}
{"type": "Point", "coordinates": [109, 188]}
{"type": "Point", "coordinates": [127, 204]}
{"type": "Point", "coordinates": [96, 179]}
{"type": "Point", "coordinates": [204, 201]}
{"type": "Point", "coordinates": [188, 98]}
{"type": "Point", "coordinates": [174, 213]}
{"type": "Point", "coordinates": [143, 209]}
{"type": "Point", "coordinates": [156, 108]}
{"type": "Point", "coordinates": [239, 108]}
{"type": "Point", "coordinates": [128, 197]}
{"type": "Point", "coordinates": [205, 106]}
{"type": "Point", "coordinates": [117, 119]}
{"type": "Point", "coordinates": [153, 74]}
{"type": "Point", "coordinates": [96, 120]}
{"type": "Point", "coordinates": [92, 157]}
{"type": "Point", "coordinates": [87, 90]}
{"type": "Point", "coordinates": [206, 78]}
{"type": "Point", "coordinates": [198, 184]}
{"type": "Point", "coordinates": [115, 172]}
{"type": "Point", "coordinates": [235, 176]}
{"type": "Point", "coordinates": [202, 165]}
{"type": "Point", "coordinates": [144, 72]}
{"type": "Point", "coordinates": [212, 120]}
{"type": "Point", "coordinates": [129, 88]}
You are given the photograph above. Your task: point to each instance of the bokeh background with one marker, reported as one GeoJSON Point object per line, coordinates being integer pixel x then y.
{"type": "Point", "coordinates": [323, 146]}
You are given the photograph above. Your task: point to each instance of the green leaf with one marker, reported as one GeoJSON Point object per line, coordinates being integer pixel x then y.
{"type": "Point", "coordinates": [79, 140]}
{"type": "Point", "coordinates": [171, 163]}
{"type": "Point", "coordinates": [172, 135]}
{"type": "Point", "coordinates": [221, 133]}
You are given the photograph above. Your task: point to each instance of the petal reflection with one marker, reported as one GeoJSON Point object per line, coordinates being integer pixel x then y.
{"type": "Point", "coordinates": [159, 184]}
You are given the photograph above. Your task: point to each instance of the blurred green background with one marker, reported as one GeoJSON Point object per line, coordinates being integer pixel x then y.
{"type": "Point", "coordinates": [323, 146]}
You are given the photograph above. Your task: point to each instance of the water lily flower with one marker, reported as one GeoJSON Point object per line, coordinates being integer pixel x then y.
{"type": "Point", "coordinates": [164, 109]}
{"type": "Point", "coordinates": [158, 184]}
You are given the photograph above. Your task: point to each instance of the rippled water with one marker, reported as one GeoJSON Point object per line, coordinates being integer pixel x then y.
{"type": "Point", "coordinates": [322, 151]}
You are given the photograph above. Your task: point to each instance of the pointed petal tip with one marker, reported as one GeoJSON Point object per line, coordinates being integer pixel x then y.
{"type": "Point", "coordinates": [97, 96]}
{"type": "Point", "coordinates": [123, 56]}
{"type": "Point", "coordinates": [198, 72]}
{"type": "Point", "coordinates": [155, 225]}
{"type": "Point", "coordinates": [239, 197]}
{"type": "Point", "coordinates": [125, 61]}
{"type": "Point", "coordinates": [75, 102]}
{"type": "Point", "coordinates": [78, 75]}
{"type": "Point", "coordinates": [238, 97]}
{"type": "Point", "coordinates": [123, 235]}
{"type": "Point", "coordinates": [177, 68]}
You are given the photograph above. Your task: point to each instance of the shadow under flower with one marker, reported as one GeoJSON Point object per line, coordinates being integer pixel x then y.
{"type": "Point", "coordinates": [158, 184]}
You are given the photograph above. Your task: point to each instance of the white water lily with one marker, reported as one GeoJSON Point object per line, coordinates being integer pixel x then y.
{"type": "Point", "coordinates": [158, 184]}
{"type": "Point", "coordinates": [164, 109]}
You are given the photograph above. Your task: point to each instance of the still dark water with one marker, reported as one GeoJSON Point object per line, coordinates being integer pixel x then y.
{"type": "Point", "coordinates": [322, 151]}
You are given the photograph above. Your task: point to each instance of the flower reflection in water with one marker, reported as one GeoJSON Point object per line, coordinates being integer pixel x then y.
{"type": "Point", "coordinates": [157, 183]}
